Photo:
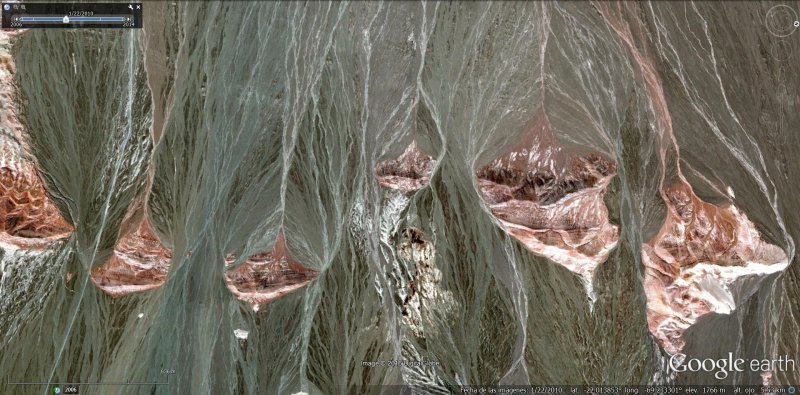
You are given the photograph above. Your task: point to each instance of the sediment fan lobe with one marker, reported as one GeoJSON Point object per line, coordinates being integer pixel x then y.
{"type": "Point", "coordinates": [698, 262]}
{"type": "Point", "coordinates": [431, 181]}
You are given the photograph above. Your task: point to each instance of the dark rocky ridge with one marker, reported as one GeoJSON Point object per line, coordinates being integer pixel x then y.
{"type": "Point", "coordinates": [541, 185]}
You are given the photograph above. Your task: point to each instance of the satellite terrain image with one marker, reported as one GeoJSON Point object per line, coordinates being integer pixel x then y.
{"type": "Point", "coordinates": [266, 197]}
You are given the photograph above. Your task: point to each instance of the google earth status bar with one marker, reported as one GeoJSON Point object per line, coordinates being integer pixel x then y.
{"type": "Point", "coordinates": [607, 389]}
{"type": "Point", "coordinates": [71, 15]}
{"type": "Point", "coordinates": [633, 389]}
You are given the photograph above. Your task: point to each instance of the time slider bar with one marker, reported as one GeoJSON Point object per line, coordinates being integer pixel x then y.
{"type": "Point", "coordinates": [74, 19]}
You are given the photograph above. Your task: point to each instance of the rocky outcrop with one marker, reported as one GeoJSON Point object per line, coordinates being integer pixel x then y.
{"type": "Point", "coordinates": [408, 172]}
{"type": "Point", "coordinates": [267, 276]}
{"type": "Point", "coordinates": [425, 301]}
{"type": "Point", "coordinates": [139, 263]}
{"type": "Point", "coordinates": [693, 264]}
{"type": "Point", "coordinates": [556, 212]}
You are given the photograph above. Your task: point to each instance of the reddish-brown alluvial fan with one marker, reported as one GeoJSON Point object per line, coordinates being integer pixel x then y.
{"type": "Point", "coordinates": [139, 263]}
{"type": "Point", "coordinates": [29, 218]}
{"type": "Point", "coordinates": [700, 250]}
{"type": "Point", "coordinates": [551, 200]}
{"type": "Point", "coordinates": [562, 217]}
{"type": "Point", "coordinates": [408, 172]}
{"type": "Point", "coordinates": [267, 276]}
